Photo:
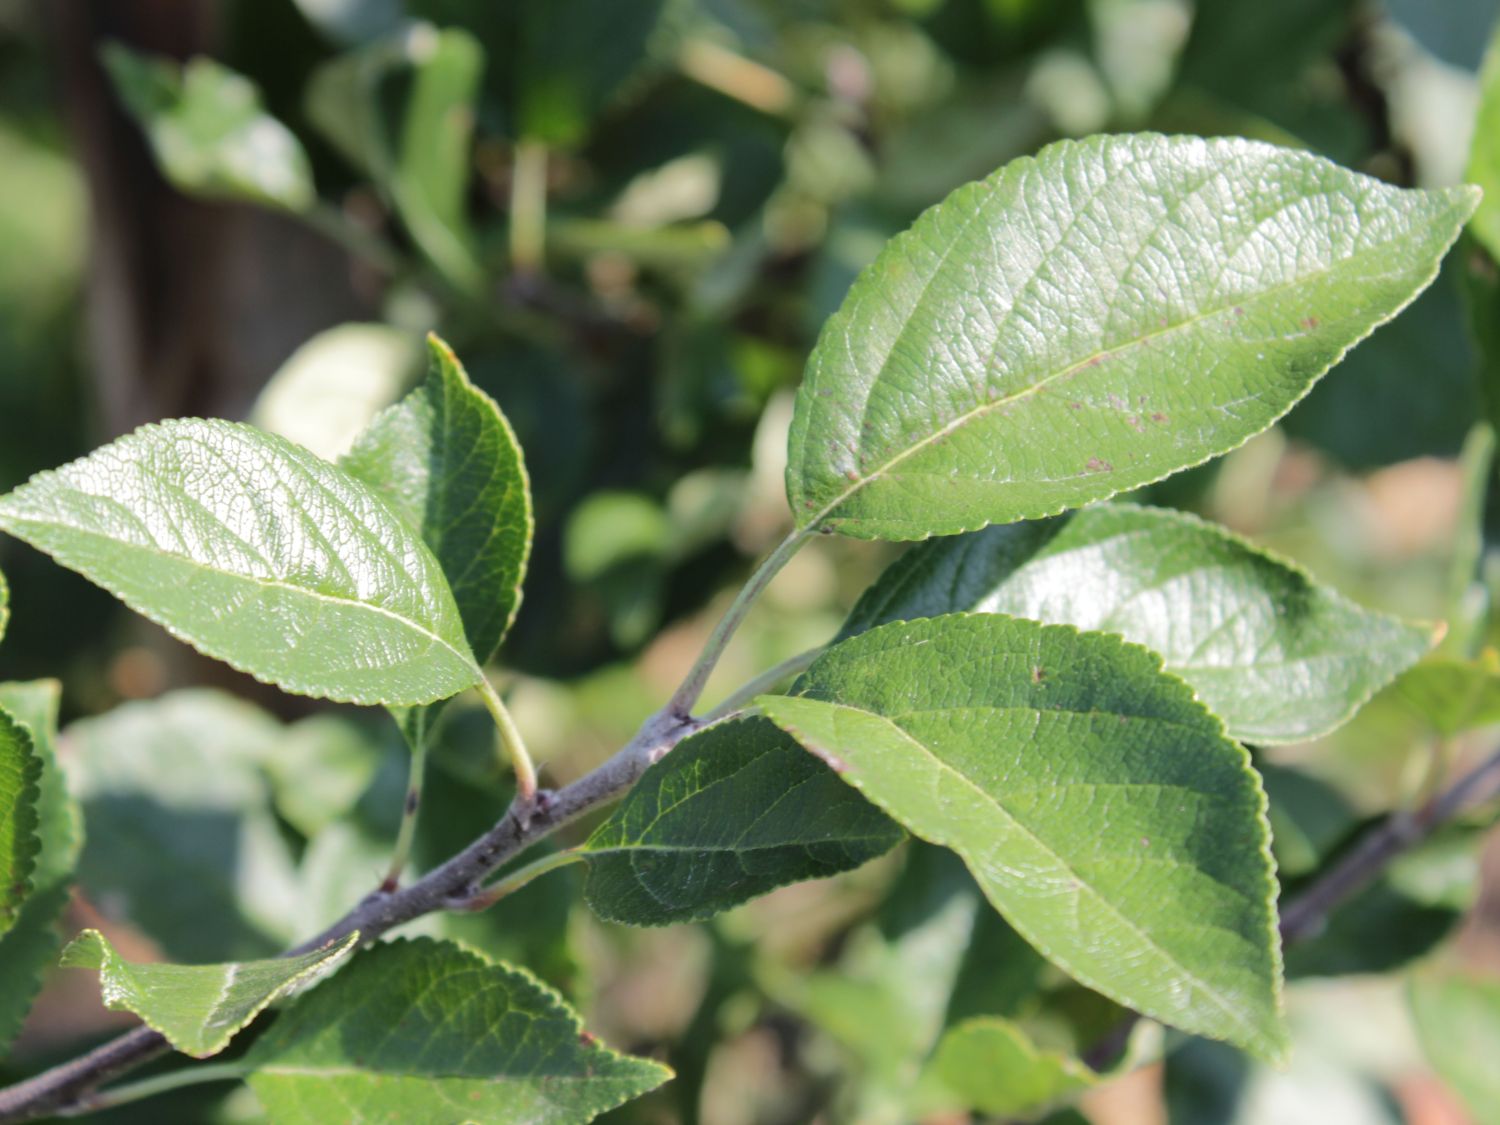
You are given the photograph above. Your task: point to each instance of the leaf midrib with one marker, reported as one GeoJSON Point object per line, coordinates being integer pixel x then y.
{"type": "Point", "coordinates": [271, 583]}
{"type": "Point", "coordinates": [1044, 381]}
{"type": "Point", "coordinates": [1228, 1009]}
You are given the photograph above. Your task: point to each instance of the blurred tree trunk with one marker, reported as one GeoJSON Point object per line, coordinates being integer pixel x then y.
{"type": "Point", "coordinates": [191, 305]}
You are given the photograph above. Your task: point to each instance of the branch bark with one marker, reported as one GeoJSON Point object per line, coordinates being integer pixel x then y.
{"type": "Point", "coordinates": [67, 1087]}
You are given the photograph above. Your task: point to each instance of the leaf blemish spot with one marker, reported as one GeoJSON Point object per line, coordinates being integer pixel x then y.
{"type": "Point", "coordinates": [1099, 465]}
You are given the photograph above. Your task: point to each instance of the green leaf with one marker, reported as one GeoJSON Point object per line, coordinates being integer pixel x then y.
{"type": "Point", "coordinates": [199, 1008]}
{"type": "Point", "coordinates": [1092, 319]}
{"type": "Point", "coordinates": [402, 109]}
{"type": "Point", "coordinates": [431, 180]}
{"type": "Point", "coordinates": [427, 1031]}
{"type": "Point", "coordinates": [1278, 657]}
{"type": "Point", "coordinates": [210, 134]}
{"type": "Point", "coordinates": [31, 943]}
{"type": "Point", "coordinates": [20, 772]}
{"type": "Point", "coordinates": [1457, 1020]}
{"type": "Point", "coordinates": [256, 552]}
{"type": "Point", "coordinates": [571, 56]}
{"type": "Point", "coordinates": [1453, 696]}
{"type": "Point", "coordinates": [182, 838]}
{"type": "Point", "coordinates": [446, 460]}
{"type": "Point", "coordinates": [733, 812]}
{"type": "Point", "coordinates": [992, 1066]}
{"type": "Point", "coordinates": [1100, 807]}
{"type": "Point", "coordinates": [1484, 151]}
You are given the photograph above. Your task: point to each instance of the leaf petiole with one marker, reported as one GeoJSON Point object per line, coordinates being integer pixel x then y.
{"type": "Point", "coordinates": [510, 742]}
{"type": "Point", "coordinates": [513, 882]}
{"type": "Point", "coordinates": [686, 696]}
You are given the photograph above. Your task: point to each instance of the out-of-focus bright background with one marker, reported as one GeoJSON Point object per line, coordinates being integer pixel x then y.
{"type": "Point", "coordinates": [630, 218]}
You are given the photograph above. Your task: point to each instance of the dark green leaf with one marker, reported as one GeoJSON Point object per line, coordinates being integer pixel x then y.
{"type": "Point", "coordinates": [571, 56]}
{"type": "Point", "coordinates": [1092, 319]}
{"type": "Point", "coordinates": [258, 553]}
{"type": "Point", "coordinates": [209, 132]}
{"type": "Point", "coordinates": [427, 1031]}
{"type": "Point", "coordinates": [28, 949]}
{"type": "Point", "coordinates": [446, 460]}
{"type": "Point", "coordinates": [733, 812]}
{"type": "Point", "coordinates": [20, 773]}
{"type": "Point", "coordinates": [1278, 657]}
{"type": "Point", "coordinates": [199, 1008]}
{"type": "Point", "coordinates": [1101, 808]}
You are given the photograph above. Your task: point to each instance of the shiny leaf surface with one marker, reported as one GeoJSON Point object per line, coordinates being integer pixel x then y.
{"type": "Point", "coordinates": [1092, 319]}
{"type": "Point", "coordinates": [1100, 807]}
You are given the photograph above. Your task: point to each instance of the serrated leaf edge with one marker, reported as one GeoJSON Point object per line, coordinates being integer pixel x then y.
{"type": "Point", "coordinates": [1274, 1050]}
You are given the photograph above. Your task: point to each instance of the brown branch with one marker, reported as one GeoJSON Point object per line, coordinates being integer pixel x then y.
{"type": "Point", "coordinates": [67, 1086]}
{"type": "Point", "coordinates": [1307, 913]}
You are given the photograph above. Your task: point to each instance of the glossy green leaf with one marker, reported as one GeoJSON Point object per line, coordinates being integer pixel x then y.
{"type": "Point", "coordinates": [210, 134]}
{"type": "Point", "coordinates": [427, 1031]}
{"type": "Point", "coordinates": [448, 463]}
{"type": "Point", "coordinates": [199, 1008]}
{"type": "Point", "coordinates": [1092, 319]}
{"type": "Point", "coordinates": [182, 839]}
{"type": "Point", "coordinates": [1100, 807]}
{"type": "Point", "coordinates": [733, 812]}
{"type": "Point", "coordinates": [30, 945]}
{"type": "Point", "coordinates": [259, 553]}
{"type": "Point", "coordinates": [1278, 657]}
{"type": "Point", "coordinates": [992, 1066]}
{"type": "Point", "coordinates": [1457, 1018]}
{"type": "Point", "coordinates": [20, 772]}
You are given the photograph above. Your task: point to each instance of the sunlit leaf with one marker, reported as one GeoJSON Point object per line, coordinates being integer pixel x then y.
{"type": "Point", "coordinates": [1277, 656]}
{"type": "Point", "coordinates": [259, 553]}
{"type": "Point", "coordinates": [209, 132]}
{"type": "Point", "coordinates": [1100, 807]}
{"type": "Point", "coordinates": [1092, 319]}
{"type": "Point", "coordinates": [199, 1008]}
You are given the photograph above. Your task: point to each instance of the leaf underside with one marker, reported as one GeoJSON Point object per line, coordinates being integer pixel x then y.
{"type": "Point", "coordinates": [199, 1008]}
{"type": "Point", "coordinates": [1277, 656]}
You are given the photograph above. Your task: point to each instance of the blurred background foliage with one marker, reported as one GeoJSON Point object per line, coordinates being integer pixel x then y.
{"type": "Point", "coordinates": [630, 220]}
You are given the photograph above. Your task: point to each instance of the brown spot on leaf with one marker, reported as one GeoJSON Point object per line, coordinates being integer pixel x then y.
{"type": "Point", "coordinates": [1097, 465]}
{"type": "Point", "coordinates": [1038, 675]}
{"type": "Point", "coordinates": [1309, 322]}
{"type": "Point", "coordinates": [1158, 417]}
{"type": "Point", "coordinates": [1238, 311]}
{"type": "Point", "coordinates": [587, 1038]}
{"type": "Point", "coordinates": [1075, 406]}
{"type": "Point", "coordinates": [1135, 423]}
